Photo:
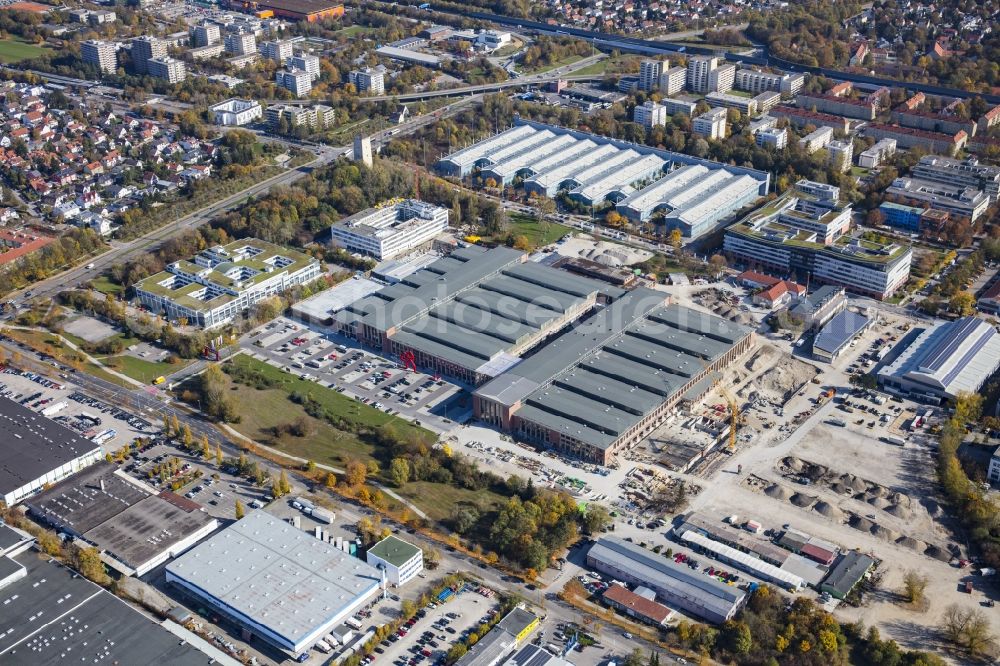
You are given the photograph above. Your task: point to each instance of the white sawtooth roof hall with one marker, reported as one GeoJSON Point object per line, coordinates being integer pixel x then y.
{"type": "Point", "coordinates": [946, 359]}
{"type": "Point", "coordinates": [284, 584]}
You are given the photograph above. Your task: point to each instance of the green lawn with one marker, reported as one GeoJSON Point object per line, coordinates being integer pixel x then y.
{"type": "Point", "coordinates": [607, 64]}
{"type": "Point", "coordinates": [14, 50]}
{"type": "Point", "coordinates": [439, 500]}
{"type": "Point", "coordinates": [569, 60]}
{"type": "Point", "coordinates": [141, 369]}
{"type": "Point", "coordinates": [104, 285]}
{"type": "Point", "coordinates": [50, 344]}
{"type": "Point", "coordinates": [353, 30]}
{"type": "Point", "coordinates": [522, 225]}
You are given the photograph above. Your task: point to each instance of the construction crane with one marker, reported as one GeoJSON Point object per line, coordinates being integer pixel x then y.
{"type": "Point", "coordinates": [734, 417]}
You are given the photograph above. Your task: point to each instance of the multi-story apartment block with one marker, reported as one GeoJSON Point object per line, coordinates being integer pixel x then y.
{"type": "Point", "coordinates": [722, 78]}
{"type": "Point", "coordinates": [685, 106]}
{"type": "Point", "coordinates": [698, 69]}
{"type": "Point", "coordinates": [277, 50]}
{"type": "Point", "coordinates": [144, 49]}
{"type": "Point", "coordinates": [847, 107]}
{"type": "Point", "coordinates": [818, 138]}
{"type": "Point", "coordinates": [650, 114]}
{"type": "Point", "coordinates": [171, 69]}
{"type": "Point", "coordinates": [314, 117]}
{"type": "Point", "coordinates": [368, 80]}
{"type": "Point", "coordinates": [767, 100]}
{"type": "Point", "coordinates": [222, 282]}
{"type": "Point", "coordinates": [874, 156]}
{"type": "Point", "coordinates": [772, 137]}
{"type": "Point", "coordinates": [907, 137]}
{"type": "Point", "coordinates": [305, 62]}
{"type": "Point", "coordinates": [755, 81]}
{"type": "Point", "coordinates": [298, 81]}
{"type": "Point", "coordinates": [745, 105]}
{"type": "Point", "coordinates": [390, 230]}
{"type": "Point", "coordinates": [102, 54]}
{"type": "Point", "coordinates": [241, 43]}
{"type": "Point", "coordinates": [673, 80]}
{"type": "Point", "coordinates": [649, 74]}
{"type": "Point", "coordinates": [711, 124]}
{"type": "Point", "coordinates": [205, 34]}
{"type": "Point", "coordinates": [840, 154]}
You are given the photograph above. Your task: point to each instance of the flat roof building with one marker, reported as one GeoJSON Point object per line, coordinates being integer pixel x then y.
{"type": "Point", "coordinates": [498, 642]}
{"type": "Point", "coordinates": [400, 560]}
{"type": "Point", "coordinates": [390, 229]}
{"type": "Point", "coordinates": [607, 383]}
{"type": "Point", "coordinates": [967, 173]}
{"type": "Point", "coordinates": [320, 308]}
{"type": "Point", "coordinates": [296, 10]}
{"type": "Point", "coordinates": [677, 585]}
{"type": "Point", "coordinates": [945, 359]}
{"type": "Point", "coordinates": [409, 56]}
{"type": "Point", "coordinates": [906, 137]}
{"type": "Point", "coordinates": [838, 333]}
{"type": "Point", "coordinates": [645, 610]}
{"type": "Point", "coordinates": [962, 201]}
{"type": "Point", "coordinates": [223, 281]}
{"type": "Point", "coordinates": [470, 315]}
{"type": "Point", "coordinates": [236, 112]}
{"type": "Point", "coordinates": [135, 529]}
{"type": "Point", "coordinates": [837, 105]}
{"type": "Point", "coordinates": [534, 655]}
{"type": "Point", "coordinates": [276, 581]}
{"type": "Point", "coordinates": [874, 157]}
{"type": "Point", "coordinates": [36, 451]}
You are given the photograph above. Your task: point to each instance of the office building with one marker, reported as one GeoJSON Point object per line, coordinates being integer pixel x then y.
{"type": "Point", "coordinates": [171, 69]}
{"type": "Point", "coordinates": [472, 314]}
{"type": "Point", "coordinates": [650, 114]}
{"type": "Point", "coordinates": [874, 157]}
{"type": "Point", "coordinates": [711, 124]}
{"type": "Point", "coordinates": [498, 643]}
{"type": "Point", "coordinates": [907, 137]}
{"type": "Point", "coordinates": [278, 50]}
{"type": "Point", "coordinates": [279, 583]}
{"type": "Point", "coordinates": [369, 80]}
{"type": "Point", "coordinates": [847, 107]}
{"type": "Point", "coordinates": [943, 359]}
{"type": "Point", "coordinates": [102, 54]}
{"type": "Point", "coordinates": [401, 560]}
{"type": "Point", "coordinates": [693, 198]}
{"type": "Point", "coordinates": [205, 34]}
{"type": "Point", "coordinates": [989, 300]}
{"type": "Point", "coordinates": [641, 607]}
{"type": "Point", "coordinates": [772, 138]}
{"type": "Point", "coordinates": [241, 43]}
{"type": "Point", "coordinates": [817, 139]}
{"type": "Point", "coordinates": [222, 282]}
{"type": "Point", "coordinates": [135, 529]}
{"type": "Point", "coordinates": [840, 154]}
{"type": "Point", "coordinates": [145, 49]}
{"type": "Point", "coordinates": [614, 378]}
{"type": "Point", "coordinates": [755, 81]}
{"type": "Point", "coordinates": [963, 173]}
{"type": "Point", "coordinates": [236, 112]}
{"type": "Point", "coordinates": [649, 74]}
{"type": "Point", "coordinates": [362, 151]}
{"type": "Point", "coordinates": [813, 311]}
{"type": "Point", "coordinates": [37, 452]}
{"type": "Point", "coordinates": [745, 105]}
{"type": "Point", "coordinates": [805, 232]}
{"type": "Point", "coordinates": [307, 63]}
{"type": "Point", "coordinates": [676, 584]}
{"type": "Point", "coordinates": [298, 81]}
{"type": "Point", "coordinates": [958, 200]}
{"type": "Point", "coordinates": [390, 230]}
{"type": "Point", "coordinates": [902, 217]}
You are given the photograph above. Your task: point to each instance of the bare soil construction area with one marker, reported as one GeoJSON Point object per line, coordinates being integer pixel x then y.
{"type": "Point", "coordinates": [781, 375]}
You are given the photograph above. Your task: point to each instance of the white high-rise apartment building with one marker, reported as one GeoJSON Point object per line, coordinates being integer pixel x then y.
{"type": "Point", "coordinates": [698, 69]}
{"type": "Point", "coordinates": [297, 80]}
{"type": "Point", "coordinates": [102, 54]}
{"type": "Point", "coordinates": [650, 114]}
{"type": "Point", "coordinates": [711, 124]}
{"type": "Point", "coordinates": [205, 34]}
{"type": "Point", "coordinates": [171, 69]}
{"type": "Point", "coordinates": [672, 81]}
{"type": "Point", "coordinates": [305, 62]}
{"type": "Point", "coordinates": [649, 74]}
{"type": "Point", "coordinates": [278, 50]}
{"type": "Point", "coordinates": [241, 43]}
{"type": "Point", "coordinates": [144, 49]}
{"type": "Point", "coordinates": [721, 79]}
{"type": "Point", "coordinates": [368, 80]}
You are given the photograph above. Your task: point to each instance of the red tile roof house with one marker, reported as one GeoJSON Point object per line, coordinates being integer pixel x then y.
{"type": "Point", "coordinates": [779, 294]}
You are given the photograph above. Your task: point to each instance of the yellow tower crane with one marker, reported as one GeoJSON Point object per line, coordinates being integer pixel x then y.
{"type": "Point", "coordinates": [734, 417]}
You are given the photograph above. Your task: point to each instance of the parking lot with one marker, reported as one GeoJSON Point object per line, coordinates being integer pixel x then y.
{"type": "Point", "coordinates": [108, 425]}
{"type": "Point", "coordinates": [339, 364]}
{"type": "Point", "coordinates": [435, 628]}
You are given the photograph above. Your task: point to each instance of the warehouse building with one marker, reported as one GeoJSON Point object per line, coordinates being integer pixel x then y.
{"type": "Point", "coordinates": [609, 382]}
{"type": "Point", "coordinates": [409, 56]}
{"type": "Point", "coordinates": [390, 229]}
{"type": "Point", "coordinates": [296, 10]}
{"type": "Point", "coordinates": [471, 314]}
{"type": "Point", "coordinates": [694, 199]}
{"type": "Point", "coordinates": [534, 655]}
{"type": "Point", "coordinates": [51, 615]}
{"type": "Point", "coordinates": [222, 282]}
{"type": "Point", "coordinates": [756, 567]}
{"type": "Point", "coordinates": [400, 560]}
{"type": "Point", "coordinates": [677, 585]}
{"type": "Point", "coordinates": [499, 641]}
{"type": "Point", "coordinates": [588, 167]}
{"type": "Point", "coordinates": [37, 452]}
{"type": "Point", "coordinates": [804, 232]}
{"type": "Point", "coordinates": [640, 606]}
{"type": "Point", "coordinates": [944, 359]}
{"type": "Point", "coordinates": [838, 334]}
{"type": "Point", "coordinates": [279, 583]}
{"type": "Point", "coordinates": [846, 574]}
{"type": "Point", "coordinates": [135, 529]}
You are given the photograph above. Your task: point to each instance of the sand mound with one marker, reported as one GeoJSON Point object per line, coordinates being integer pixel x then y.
{"type": "Point", "coordinates": [885, 533]}
{"type": "Point", "coordinates": [798, 499]}
{"type": "Point", "coordinates": [876, 490]}
{"type": "Point", "coordinates": [839, 488]}
{"type": "Point", "coordinates": [778, 492]}
{"type": "Point", "coordinates": [911, 543]}
{"type": "Point", "coordinates": [899, 512]}
{"type": "Point", "coordinates": [878, 502]}
{"type": "Point", "coordinates": [859, 523]}
{"type": "Point", "coordinates": [901, 499]}
{"type": "Point", "coordinates": [857, 484]}
{"type": "Point", "coordinates": [829, 510]}
{"type": "Point", "coordinates": [937, 553]}
{"type": "Point", "coordinates": [794, 464]}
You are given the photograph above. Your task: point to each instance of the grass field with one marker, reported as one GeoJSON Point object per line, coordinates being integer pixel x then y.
{"type": "Point", "coordinates": [13, 50]}
{"type": "Point", "coordinates": [556, 65]}
{"type": "Point", "coordinates": [50, 344]}
{"type": "Point", "coordinates": [353, 30]}
{"type": "Point", "coordinates": [104, 285]}
{"type": "Point", "coordinates": [611, 64]}
{"type": "Point", "coordinates": [141, 369]}
{"type": "Point", "coordinates": [439, 501]}
{"type": "Point", "coordinates": [522, 225]}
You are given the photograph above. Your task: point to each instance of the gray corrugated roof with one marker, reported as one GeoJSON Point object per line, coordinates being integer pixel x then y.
{"type": "Point", "coordinates": [840, 330]}
{"type": "Point", "coordinates": [848, 571]}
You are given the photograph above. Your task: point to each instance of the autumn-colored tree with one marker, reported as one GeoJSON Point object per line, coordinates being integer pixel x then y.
{"type": "Point", "coordinates": [239, 510]}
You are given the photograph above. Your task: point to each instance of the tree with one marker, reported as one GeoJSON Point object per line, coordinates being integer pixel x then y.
{"type": "Point", "coordinates": [206, 450]}
{"type": "Point", "coordinates": [522, 243]}
{"type": "Point", "coordinates": [218, 455]}
{"type": "Point", "coordinates": [50, 543]}
{"type": "Point", "coordinates": [963, 303]}
{"type": "Point", "coordinates": [355, 473]}
{"type": "Point", "coordinates": [736, 637]}
{"type": "Point", "coordinates": [239, 509]}
{"type": "Point", "coordinates": [718, 264]}
{"type": "Point", "coordinates": [597, 518]}
{"type": "Point", "coordinates": [967, 628]}
{"type": "Point", "coordinates": [914, 586]}
{"type": "Point", "coordinates": [676, 238]}
{"type": "Point", "coordinates": [283, 483]}
{"type": "Point", "coordinates": [175, 425]}
{"type": "Point", "coordinates": [635, 658]}
{"type": "Point", "coordinates": [399, 471]}
{"type": "Point", "coordinates": [187, 438]}
{"type": "Point", "coordinates": [88, 563]}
